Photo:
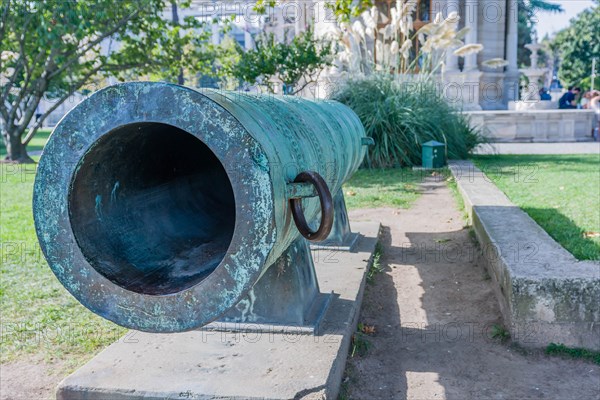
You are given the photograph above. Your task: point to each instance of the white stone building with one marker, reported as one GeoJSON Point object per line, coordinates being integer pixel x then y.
{"type": "Point", "coordinates": [493, 24]}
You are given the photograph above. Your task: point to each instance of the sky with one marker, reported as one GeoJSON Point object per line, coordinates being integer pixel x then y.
{"type": "Point", "coordinates": [550, 23]}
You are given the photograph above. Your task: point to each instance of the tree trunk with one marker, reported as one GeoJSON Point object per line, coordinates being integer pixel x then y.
{"type": "Point", "coordinates": [16, 151]}
{"type": "Point", "coordinates": [175, 14]}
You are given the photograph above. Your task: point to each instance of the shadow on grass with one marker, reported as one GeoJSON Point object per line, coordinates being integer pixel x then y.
{"type": "Point", "coordinates": [562, 229]}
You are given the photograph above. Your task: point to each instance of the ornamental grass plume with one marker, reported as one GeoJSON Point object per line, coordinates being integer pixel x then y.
{"type": "Point", "coordinates": [359, 29]}
{"type": "Point", "coordinates": [495, 63]}
{"type": "Point", "coordinates": [405, 49]}
{"type": "Point", "coordinates": [374, 48]}
{"type": "Point", "coordinates": [370, 23]}
{"type": "Point", "coordinates": [394, 50]}
{"type": "Point", "coordinates": [463, 32]}
{"type": "Point", "coordinates": [468, 49]}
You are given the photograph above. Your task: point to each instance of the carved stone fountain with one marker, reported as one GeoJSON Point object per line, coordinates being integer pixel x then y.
{"type": "Point", "coordinates": [530, 93]}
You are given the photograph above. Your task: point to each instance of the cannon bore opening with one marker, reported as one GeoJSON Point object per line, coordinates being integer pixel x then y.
{"type": "Point", "coordinates": [152, 208]}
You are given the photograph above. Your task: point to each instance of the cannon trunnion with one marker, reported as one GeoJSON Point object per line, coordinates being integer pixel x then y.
{"type": "Point", "coordinates": [163, 208]}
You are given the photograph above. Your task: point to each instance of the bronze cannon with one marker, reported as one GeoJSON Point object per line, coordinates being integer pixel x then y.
{"type": "Point", "coordinates": [163, 208]}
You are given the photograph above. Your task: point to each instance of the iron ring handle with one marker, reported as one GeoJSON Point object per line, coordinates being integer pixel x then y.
{"type": "Point", "coordinates": [326, 208]}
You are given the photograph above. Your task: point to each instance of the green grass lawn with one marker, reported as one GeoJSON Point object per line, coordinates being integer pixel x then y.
{"type": "Point", "coordinates": [397, 187]}
{"type": "Point", "coordinates": [38, 315]}
{"type": "Point", "coordinates": [560, 192]}
{"type": "Point", "coordinates": [36, 144]}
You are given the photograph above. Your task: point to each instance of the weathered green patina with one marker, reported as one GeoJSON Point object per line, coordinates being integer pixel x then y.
{"type": "Point", "coordinates": [160, 207]}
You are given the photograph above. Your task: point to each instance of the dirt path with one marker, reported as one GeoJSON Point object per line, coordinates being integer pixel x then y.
{"type": "Point", "coordinates": [434, 310]}
{"type": "Point", "coordinates": [30, 379]}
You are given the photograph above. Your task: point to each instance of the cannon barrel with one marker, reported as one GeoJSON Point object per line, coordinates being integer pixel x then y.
{"type": "Point", "coordinates": [159, 206]}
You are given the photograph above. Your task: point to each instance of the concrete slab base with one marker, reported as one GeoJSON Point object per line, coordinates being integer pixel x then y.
{"type": "Point", "coordinates": [247, 364]}
{"type": "Point", "coordinates": [348, 243]}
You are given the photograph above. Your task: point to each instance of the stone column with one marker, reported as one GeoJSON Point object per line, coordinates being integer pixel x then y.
{"type": "Point", "coordinates": [248, 43]}
{"type": "Point", "coordinates": [216, 35]}
{"type": "Point", "coordinates": [462, 88]}
{"type": "Point", "coordinates": [280, 25]}
{"type": "Point", "coordinates": [512, 39]}
{"type": "Point", "coordinates": [451, 59]}
{"type": "Point", "coordinates": [472, 21]}
{"type": "Point", "coordinates": [511, 81]}
{"type": "Point", "coordinates": [300, 16]}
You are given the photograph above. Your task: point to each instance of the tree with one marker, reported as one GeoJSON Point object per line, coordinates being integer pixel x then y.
{"type": "Point", "coordinates": [527, 20]}
{"type": "Point", "coordinates": [577, 45]}
{"type": "Point", "coordinates": [297, 64]}
{"type": "Point", "coordinates": [53, 48]}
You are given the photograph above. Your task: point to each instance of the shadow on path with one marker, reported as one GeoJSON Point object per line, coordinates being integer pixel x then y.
{"type": "Point", "coordinates": [435, 313]}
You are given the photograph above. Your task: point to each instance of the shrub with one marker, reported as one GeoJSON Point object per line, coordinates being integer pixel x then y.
{"type": "Point", "coordinates": [402, 115]}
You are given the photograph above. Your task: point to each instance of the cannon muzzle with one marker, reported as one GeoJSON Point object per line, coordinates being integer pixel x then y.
{"type": "Point", "coordinates": [160, 207]}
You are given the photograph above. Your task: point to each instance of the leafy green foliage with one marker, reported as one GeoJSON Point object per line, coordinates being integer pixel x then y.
{"type": "Point", "coordinates": [54, 48]}
{"type": "Point", "coordinates": [375, 267]}
{"type": "Point", "coordinates": [577, 45]}
{"type": "Point", "coordinates": [499, 333]}
{"type": "Point", "coordinates": [562, 350]}
{"type": "Point", "coordinates": [261, 5]}
{"type": "Point", "coordinates": [529, 14]}
{"type": "Point", "coordinates": [401, 116]}
{"type": "Point", "coordinates": [344, 10]}
{"type": "Point", "coordinates": [296, 64]}
{"type": "Point", "coordinates": [182, 49]}
{"type": "Point", "coordinates": [360, 344]}
{"type": "Point", "coordinates": [586, 84]}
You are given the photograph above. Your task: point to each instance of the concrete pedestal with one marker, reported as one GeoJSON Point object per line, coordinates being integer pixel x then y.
{"type": "Point", "coordinates": [263, 364]}
{"type": "Point", "coordinates": [462, 89]}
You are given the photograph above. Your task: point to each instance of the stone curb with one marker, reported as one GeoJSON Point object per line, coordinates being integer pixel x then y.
{"type": "Point", "coordinates": [545, 294]}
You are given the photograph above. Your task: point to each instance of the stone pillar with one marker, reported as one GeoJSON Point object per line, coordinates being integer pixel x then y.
{"type": "Point", "coordinates": [511, 81]}
{"type": "Point", "coordinates": [300, 17]}
{"type": "Point", "coordinates": [280, 25]}
{"type": "Point", "coordinates": [248, 42]}
{"type": "Point", "coordinates": [512, 39]}
{"type": "Point", "coordinates": [451, 59]}
{"type": "Point", "coordinates": [462, 88]}
{"type": "Point", "coordinates": [216, 35]}
{"type": "Point", "coordinates": [472, 21]}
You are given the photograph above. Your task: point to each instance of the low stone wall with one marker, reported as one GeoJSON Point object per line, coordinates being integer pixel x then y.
{"type": "Point", "coordinates": [545, 294]}
{"type": "Point", "coordinates": [529, 106]}
{"type": "Point", "coordinates": [535, 125]}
